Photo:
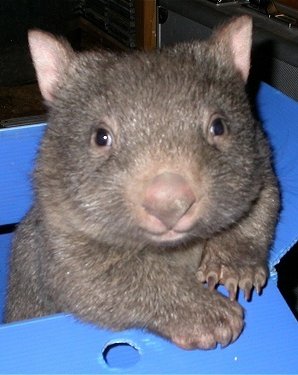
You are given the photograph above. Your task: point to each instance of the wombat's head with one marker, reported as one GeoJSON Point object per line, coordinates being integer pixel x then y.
{"type": "Point", "coordinates": [148, 148]}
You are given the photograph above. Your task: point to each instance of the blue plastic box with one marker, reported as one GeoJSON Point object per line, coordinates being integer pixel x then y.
{"type": "Point", "coordinates": [61, 344]}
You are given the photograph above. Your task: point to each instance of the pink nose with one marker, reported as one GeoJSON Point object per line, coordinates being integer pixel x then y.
{"type": "Point", "coordinates": [168, 198]}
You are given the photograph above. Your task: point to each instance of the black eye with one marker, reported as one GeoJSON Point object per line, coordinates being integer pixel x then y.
{"type": "Point", "coordinates": [103, 138]}
{"type": "Point", "coordinates": [217, 127]}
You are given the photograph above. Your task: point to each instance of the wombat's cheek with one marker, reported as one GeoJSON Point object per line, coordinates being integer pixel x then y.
{"type": "Point", "coordinates": [166, 207]}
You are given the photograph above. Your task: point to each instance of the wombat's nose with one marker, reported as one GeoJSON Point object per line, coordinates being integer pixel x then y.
{"type": "Point", "coordinates": [168, 198]}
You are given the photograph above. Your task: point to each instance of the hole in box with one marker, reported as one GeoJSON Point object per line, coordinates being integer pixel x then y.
{"type": "Point", "coordinates": [288, 278]}
{"type": "Point", "coordinates": [121, 354]}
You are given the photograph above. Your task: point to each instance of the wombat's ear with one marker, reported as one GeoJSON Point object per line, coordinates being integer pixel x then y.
{"type": "Point", "coordinates": [50, 57]}
{"type": "Point", "coordinates": [237, 36]}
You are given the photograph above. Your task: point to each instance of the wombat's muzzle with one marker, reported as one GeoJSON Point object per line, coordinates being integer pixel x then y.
{"type": "Point", "coordinates": [168, 198]}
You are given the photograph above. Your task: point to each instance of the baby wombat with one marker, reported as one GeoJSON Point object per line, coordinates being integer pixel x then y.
{"type": "Point", "coordinates": [153, 178]}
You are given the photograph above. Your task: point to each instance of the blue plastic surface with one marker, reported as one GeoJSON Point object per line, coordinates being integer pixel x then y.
{"type": "Point", "coordinates": [60, 344]}
{"type": "Point", "coordinates": [17, 153]}
{"type": "Point", "coordinates": [279, 115]}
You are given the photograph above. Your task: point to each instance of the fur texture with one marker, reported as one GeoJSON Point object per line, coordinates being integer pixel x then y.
{"type": "Point", "coordinates": [152, 179]}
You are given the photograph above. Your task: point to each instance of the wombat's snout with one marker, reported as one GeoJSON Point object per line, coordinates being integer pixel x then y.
{"type": "Point", "coordinates": [168, 198]}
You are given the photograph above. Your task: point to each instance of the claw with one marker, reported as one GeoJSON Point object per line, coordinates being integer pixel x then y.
{"type": "Point", "coordinates": [247, 290]}
{"type": "Point", "coordinates": [246, 285]}
{"type": "Point", "coordinates": [258, 287]}
{"type": "Point", "coordinates": [259, 283]}
{"type": "Point", "coordinates": [232, 287]}
{"type": "Point", "coordinates": [212, 280]}
{"type": "Point", "coordinates": [200, 276]}
{"type": "Point", "coordinates": [226, 342]}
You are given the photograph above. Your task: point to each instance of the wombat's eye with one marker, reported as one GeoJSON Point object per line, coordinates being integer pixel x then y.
{"type": "Point", "coordinates": [217, 127]}
{"type": "Point", "coordinates": [216, 131]}
{"type": "Point", "coordinates": [103, 138]}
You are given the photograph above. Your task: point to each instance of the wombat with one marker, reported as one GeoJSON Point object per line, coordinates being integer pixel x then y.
{"type": "Point", "coordinates": [153, 185]}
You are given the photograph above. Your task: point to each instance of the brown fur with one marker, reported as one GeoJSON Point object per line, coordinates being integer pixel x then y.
{"type": "Point", "coordinates": [125, 235]}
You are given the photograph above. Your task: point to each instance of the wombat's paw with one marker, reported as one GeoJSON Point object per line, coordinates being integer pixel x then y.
{"type": "Point", "coordinates": [245, 277]}
{"type": "Point", "coordinates": [220, 325]}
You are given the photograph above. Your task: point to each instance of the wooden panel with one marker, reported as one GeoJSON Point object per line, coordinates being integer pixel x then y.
{"type": "Point", "coordinates": [146, 24]}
